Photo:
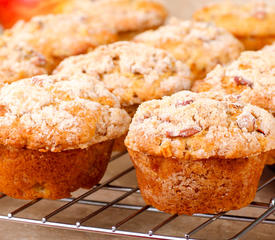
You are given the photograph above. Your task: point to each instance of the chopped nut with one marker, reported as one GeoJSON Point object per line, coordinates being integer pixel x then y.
{"type": "Point", "coordinates": [40, 60]}
{"type": "Point", "coordinates": [260, 14]}
{"type": "Point", "coordinates": [37, 81]}
{"type": "Point", "coordinates": [247, 121]}
{"type": "Point", "coordinates": [184, 102]}
{"type": "Point", "coordinates": [261, 131]}
{"type": "Point", "coordinates": [184, 133]}
{"type": "Point", "coordinates": [242, 81]}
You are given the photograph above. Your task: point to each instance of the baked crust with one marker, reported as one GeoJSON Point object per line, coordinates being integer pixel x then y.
{"type": "Point", "coordinates": [251, 76]}
{"type": "Point", "coordinates": [198, 44]}
{"type": "Point", "coordinates": [124, 16]}
{"type": "Point", "coordinates": [37, 46]}
{"type": "Point", "coordinates": [183, 186]}
{"type": "Point", "coordinates": [134, 72]}
{"type": "Point", "coordinates": [195, 126]}
{"type": "Point", "coordinates": [30, 174]}
{"type": "Point", "coordinates": [57, 113]}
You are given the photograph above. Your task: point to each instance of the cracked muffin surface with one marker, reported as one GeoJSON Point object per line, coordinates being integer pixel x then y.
{"type": "Point", "coordinates": [198, 44]}
{"type": "Point", "coordinates": [200, 126]}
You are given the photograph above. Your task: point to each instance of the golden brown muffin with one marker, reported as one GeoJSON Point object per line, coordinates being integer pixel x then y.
{"type": "Point", "coordinates": [199, 152]}
{"type": "Point", "coordinates": [37, 46]}
{"type": "Point", "coordinates": [58, 131]}
{"type": "Point", "coordinates": [251, 77]}
{"type": "Point", "coordinates": [252, 22]}
{"type": "Point", "coordinates": [133, 72]}
{"type": "Point", "coordinates": [127, 17]}
{"type": "Point", "coordinates": [200, 45]}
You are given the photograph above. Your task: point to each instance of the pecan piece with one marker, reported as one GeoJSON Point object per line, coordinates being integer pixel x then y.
{"type": "Point", "coordinates": [242, 81]}
{"type": "Point", "coordinates": [247, 121]}
{"type": "Point", "coordinates": [261, 131]}
{"type": "Point", "coordinates": [184, 102]}
{"type": "Point", "coordinates": [260, 14]}
{"type": "Point", "coordinates": [188, 132]}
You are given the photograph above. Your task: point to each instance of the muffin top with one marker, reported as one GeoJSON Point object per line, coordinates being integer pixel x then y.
{"type": "Point", "coordinates": [194, 126]}
{"type": "Point", "coordinates": [19, 60]}
{"type": "Point", "coordinates": [241, 19]}
{"type": "Point", "coordinates": [252, 76]}
{"type": "Point", "coordinates": [56, 113]}
{"type": "Point", "coordinates": [200, 45]}
{"type": "Point", "coordinates": [133, 72]}
{"type": "Point", "coordinates": [121, 15]}
{"type": "Point", "coordinates": [55, 37]}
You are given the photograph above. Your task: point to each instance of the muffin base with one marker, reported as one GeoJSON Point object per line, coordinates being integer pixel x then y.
{"type": "Point", "coordinates": [202, 186]}
{"type": "Point", "coordinates": [30, 174]}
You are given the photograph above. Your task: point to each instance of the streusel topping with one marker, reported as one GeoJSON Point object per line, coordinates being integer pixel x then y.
{"type": "Point", "coordinates": [199, 44]}
{"type": "Point", "coordinates": [200, 126]}
{"type": "Point", "coordinates": [56, 113]}
{"type": "Point", "coordinates": [133, 72]}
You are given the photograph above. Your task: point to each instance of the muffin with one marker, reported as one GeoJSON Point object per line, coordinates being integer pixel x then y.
{"type": "Point", "coordinates": [200, 45]}
{"type": "Point", "coordinates": [126, 17]}
{"type": "Point", "coordinates": [251, 23]}
{"type": "Point", "coordinates": [198, 152]}
{"type": "Point", "coordinates": [56, 135]}
{"type": "Point", "coordinates": [37, 46]}
{"type": "Point", "coordinates": [133, 72]}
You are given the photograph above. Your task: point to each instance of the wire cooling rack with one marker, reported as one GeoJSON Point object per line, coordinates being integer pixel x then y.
{"type": "Point", "coordinates": [18, 214]}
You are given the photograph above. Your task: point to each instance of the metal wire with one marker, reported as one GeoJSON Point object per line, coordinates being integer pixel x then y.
{"type": "Point", "coordinates": [126, 192]}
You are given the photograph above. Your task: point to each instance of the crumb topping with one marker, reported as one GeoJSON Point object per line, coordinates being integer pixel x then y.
{"type": "Point", "coordinates": [210, 125]}
{"type": "Point", "coordinates": [133, 72]}
{"type": "Point", "coordinates": [200, 45]}
{"type": "Point", "coordinates": [56, 113]}
{"type": "Point", "coordinates": [37, 46]}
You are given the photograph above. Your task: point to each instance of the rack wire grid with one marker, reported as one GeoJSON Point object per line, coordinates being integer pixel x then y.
{"type": "Point", "coordinates": [83, 223]}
